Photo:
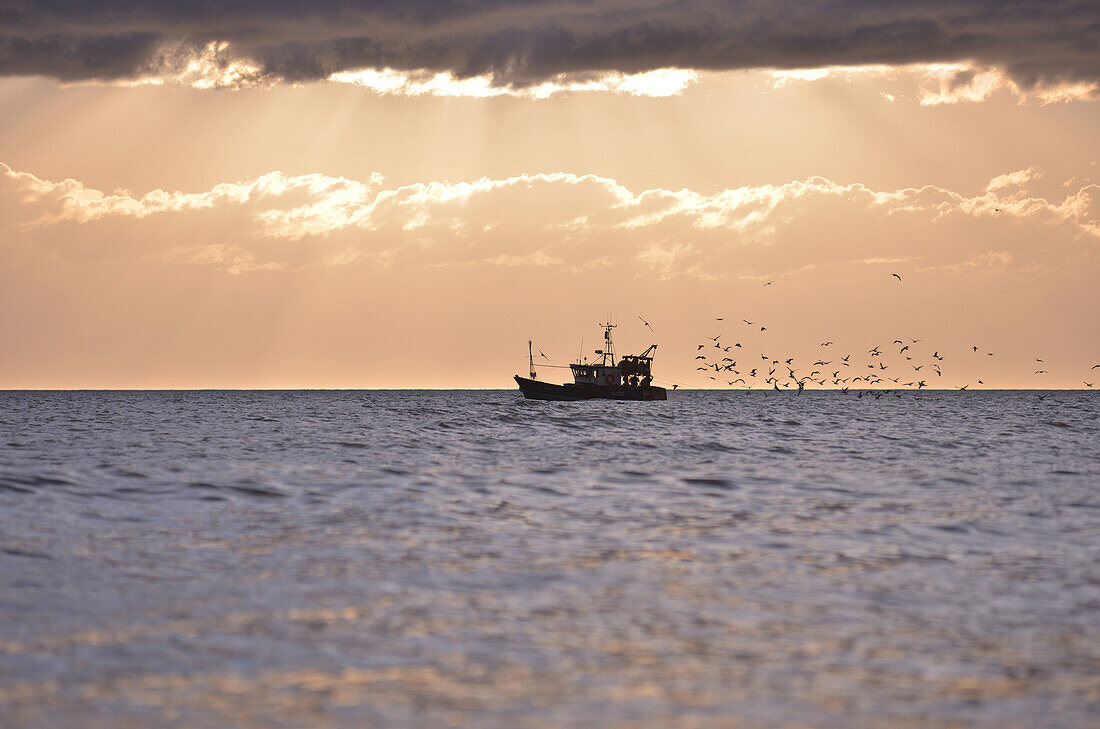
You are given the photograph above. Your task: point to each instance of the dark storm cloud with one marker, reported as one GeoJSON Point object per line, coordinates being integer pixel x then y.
{"type": "Point", "coordinates": [1038, 42]}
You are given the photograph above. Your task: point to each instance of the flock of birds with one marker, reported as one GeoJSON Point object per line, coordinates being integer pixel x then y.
{"type": "Point", "coordinates": [878, 370]}
{"type": "Point", "coordinates": [903, 363]}
{"type": "Point", "coordinates": [861, 370]}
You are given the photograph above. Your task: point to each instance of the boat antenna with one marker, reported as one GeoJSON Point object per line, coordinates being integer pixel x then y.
{"type": "Point", "coordinates": [530, 359]}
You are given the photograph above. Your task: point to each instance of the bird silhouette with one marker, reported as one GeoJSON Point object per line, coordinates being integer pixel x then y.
{"type": "Point", "coordinates": [769, 283]}
{"type": "Point", "coordinates": [646, 323]}
{"type": "Point", "coordinates": [543, 356]}
{"type": "Point", "coordinates": [1087, 384]}
{"type": "Point", "coordinates": [896, 276]}
{"type": "Point", "coordinates": [763, 329]}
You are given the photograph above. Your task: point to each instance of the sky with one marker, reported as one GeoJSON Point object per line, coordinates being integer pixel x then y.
{"type": "Point", "coordinates": [402, 194]}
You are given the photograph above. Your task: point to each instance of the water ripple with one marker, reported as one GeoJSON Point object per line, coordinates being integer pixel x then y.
{"type": "Point", "coordinates": [404, 559]}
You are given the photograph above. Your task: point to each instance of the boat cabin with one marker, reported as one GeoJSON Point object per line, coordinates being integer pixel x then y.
{"type": "Point", "coordinates": [594, 374]}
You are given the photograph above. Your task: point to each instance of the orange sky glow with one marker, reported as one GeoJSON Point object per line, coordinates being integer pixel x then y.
{"type": "Point", "coordinates": [379, 228]}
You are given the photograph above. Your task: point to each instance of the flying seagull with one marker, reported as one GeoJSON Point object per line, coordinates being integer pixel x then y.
{"type": "Point", "coordinates": [896, 276]}
{"type": "Point", "coordinates": [769, 283]}
{"type": "Point", "coordinates": [646, 323]}
{"type": "Point", "coordinates": [543, 356]}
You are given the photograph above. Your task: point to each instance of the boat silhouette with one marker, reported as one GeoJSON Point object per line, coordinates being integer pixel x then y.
{"type": "Point", "coordinates": [630, 378]}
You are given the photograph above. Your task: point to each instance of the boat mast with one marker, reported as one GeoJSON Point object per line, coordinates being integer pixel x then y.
{"type": "Point", "coordinates": [530, 360]}
{"type": "Point", "coordinates": [608, 347]}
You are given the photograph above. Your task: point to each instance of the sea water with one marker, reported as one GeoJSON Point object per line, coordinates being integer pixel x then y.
{"type": "Point", "coordinates": [471, 559]}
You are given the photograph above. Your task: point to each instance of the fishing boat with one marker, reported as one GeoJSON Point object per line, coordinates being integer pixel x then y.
{"type": "Point", "coordinates": [630, 378]}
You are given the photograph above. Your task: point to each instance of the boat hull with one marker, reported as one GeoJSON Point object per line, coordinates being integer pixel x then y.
{"type": "Point", "coordinates": [535, 390]}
